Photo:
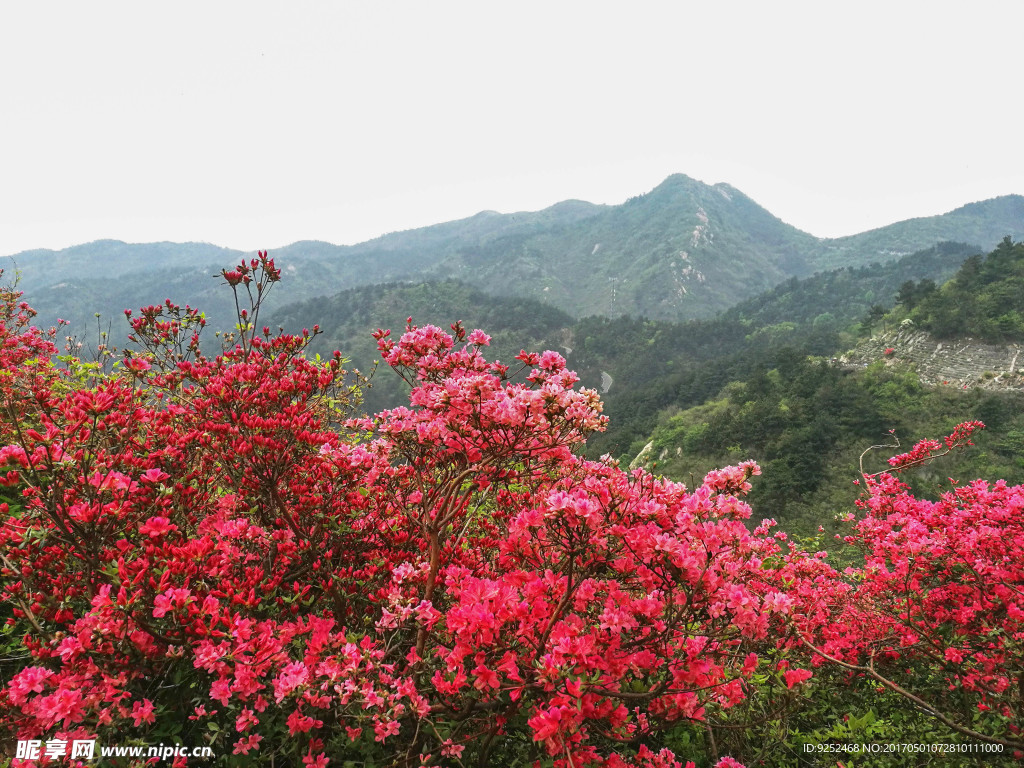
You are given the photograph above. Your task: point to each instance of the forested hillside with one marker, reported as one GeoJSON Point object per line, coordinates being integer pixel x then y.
{"type": "Point", "coordinates": [984, 300]}
{"type": "Point", "coordinates": [840, 296]}
{"type": "Point", "coordinates": [807, 421]}
{"type": "Point", "coordinates": [806, 417]}
{"type": "Point", "coordinates": [664, 365]}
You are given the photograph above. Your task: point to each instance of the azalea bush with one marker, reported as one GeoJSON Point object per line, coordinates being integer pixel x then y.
{"type": "Point", "coordinates": [935, 614]}
{"type": "Point", "coordinates": [214, 549]}
{"type": "Point", "coordinates": [207, 549]}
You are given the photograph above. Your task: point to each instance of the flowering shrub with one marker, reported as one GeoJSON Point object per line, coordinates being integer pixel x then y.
{"type": "Point", "coordinates": [204, 551]}
{"type": "Point", "coordinates": [936, 611]}
{"type": "Point", "coordinates": [212, 551]}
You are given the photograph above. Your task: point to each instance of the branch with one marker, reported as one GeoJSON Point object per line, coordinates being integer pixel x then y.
{"type": "Point", "coordinates": [871, 448]}
{"type": "Point", "coordinates": [928, 708]}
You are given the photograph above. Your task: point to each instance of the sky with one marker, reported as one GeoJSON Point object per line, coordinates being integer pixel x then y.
{"type": "Point", "coordinates": [256, 124]}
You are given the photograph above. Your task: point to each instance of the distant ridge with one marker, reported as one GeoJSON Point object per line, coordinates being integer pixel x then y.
{"type": "Point", "coordinates": [683, 250]}
{"type": "Point", "coordinates": [976, 223]}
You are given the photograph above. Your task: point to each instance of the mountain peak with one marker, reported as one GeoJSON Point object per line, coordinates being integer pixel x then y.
{"type": "Point", "coordinates": [680, 178]}
{"type": "Point", "coordinates": [680, 187]}
{"type": "Point", "coordinates": [678, 181]}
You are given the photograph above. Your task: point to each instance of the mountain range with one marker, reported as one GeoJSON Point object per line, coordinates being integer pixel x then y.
{"type": "Point", "coordinates": [684, 250]}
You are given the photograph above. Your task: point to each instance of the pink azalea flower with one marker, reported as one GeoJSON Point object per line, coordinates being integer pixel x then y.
{"type": "Point", "coordinates": [154, 476]}
{"type": "Point", "coordinates": [142, 712]}
{"type": "Point", "coordinates": [795, 676]}
{"type": "Point", "coordinates": [479, 338]}
{"type": "Point", "coordinates": [157, 526]}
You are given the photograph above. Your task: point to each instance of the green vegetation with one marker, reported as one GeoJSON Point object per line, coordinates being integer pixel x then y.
{"type": "Point", "coordinates": [984, 223]}
{"type": "Point", "coordinates": [841, 296]}
{"type": "Point", "coordinates": [665, 365]}
{"type": "Point", "coordinates": [806, 421]}
{"type": "Point", "coordinates": [985, 299]}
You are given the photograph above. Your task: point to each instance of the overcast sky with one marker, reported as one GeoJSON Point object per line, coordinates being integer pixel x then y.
{"type": "Point", "coordinates": [256, 124]}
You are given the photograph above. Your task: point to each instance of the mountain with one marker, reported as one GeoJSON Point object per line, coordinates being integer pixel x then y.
{"type": "Point", "coordinates": [684, 250]}
{"type": "Point", "coordinates": [659, 365]}
{"type": "Point", "coordinates": [984, 224]}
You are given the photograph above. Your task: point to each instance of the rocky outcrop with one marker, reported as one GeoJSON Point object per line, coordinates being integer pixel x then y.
{"type": "Point", "coordinates": [644, 457]}
{"type": "Point", "coordinates": [962, 363]}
